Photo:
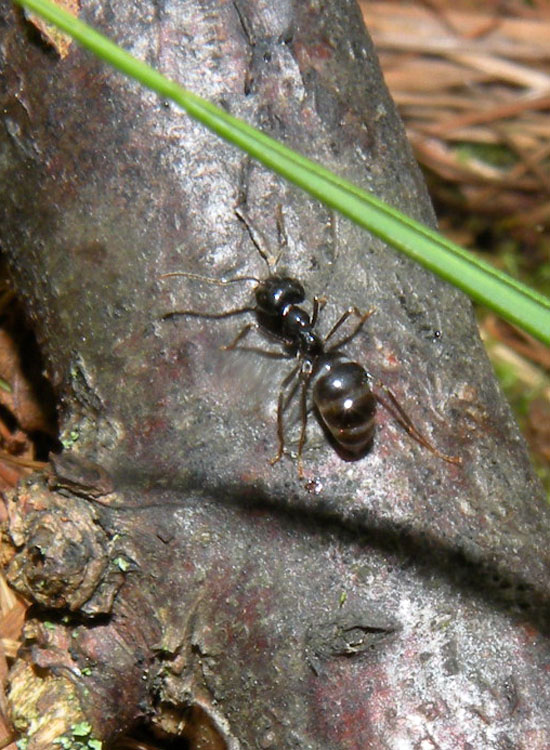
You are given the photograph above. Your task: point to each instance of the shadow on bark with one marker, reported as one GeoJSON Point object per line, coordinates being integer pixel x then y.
{"type": "Point", "coordinates": [179, 581]}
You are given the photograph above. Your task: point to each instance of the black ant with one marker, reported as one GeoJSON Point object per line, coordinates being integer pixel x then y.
{"type": "Point", "coordinates": [341, 388]}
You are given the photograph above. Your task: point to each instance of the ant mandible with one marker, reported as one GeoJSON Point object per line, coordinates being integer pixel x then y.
{"type": "Point", "coordinates": [341, 388]}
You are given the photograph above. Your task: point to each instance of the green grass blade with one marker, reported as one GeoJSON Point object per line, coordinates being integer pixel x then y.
{"type": "Point", "coordinates": [509, 298]}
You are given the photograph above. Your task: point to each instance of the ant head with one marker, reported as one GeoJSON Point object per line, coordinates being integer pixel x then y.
{"type": "Point", "coordinates": [275, 293]}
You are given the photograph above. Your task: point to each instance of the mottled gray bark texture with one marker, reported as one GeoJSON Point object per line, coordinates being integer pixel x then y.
{"type": "Point", "coordinates": [396, 601]}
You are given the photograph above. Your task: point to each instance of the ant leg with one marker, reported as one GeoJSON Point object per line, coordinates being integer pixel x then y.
{"type": "Point", "coordinates": [318, 305]}
{"type": "Point", "coordinates": [290, 395]}
{"type": "Point", "coordinates": [350, 311]}
{"type": "Point", "coordinates": [406, 422]}
{"type": "Point", "coordinates": [257, 239]}
{"type": "Point", "coordinates": [280, 409]}
{"type": "Point", "coordinates": [242, 333]}
{"type": "Point", "coordinates": [281, 232]}
{"type": "Point", "coordinates": [303, 431]}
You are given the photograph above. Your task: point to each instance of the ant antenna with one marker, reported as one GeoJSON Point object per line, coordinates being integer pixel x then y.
{"type": "Point", "coordinates": [209, 279]}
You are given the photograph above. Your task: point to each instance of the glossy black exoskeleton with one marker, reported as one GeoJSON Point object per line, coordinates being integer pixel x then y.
{"type": "Point", "coordinates": [341, 389]}
{"type": "Point", "coordinates": [344, 401]}
{"type": "Point", "coordinates": [278, 313]}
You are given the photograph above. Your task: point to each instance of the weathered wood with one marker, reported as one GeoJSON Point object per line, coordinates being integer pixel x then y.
{"type": "Point", "coordinates": [397, 600]}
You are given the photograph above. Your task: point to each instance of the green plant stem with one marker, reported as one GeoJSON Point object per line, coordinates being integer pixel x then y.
{"type": "Point", "coordinates": [509, 298]}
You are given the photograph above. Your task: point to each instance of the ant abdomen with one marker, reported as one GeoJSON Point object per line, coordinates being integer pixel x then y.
{"type": "Point", "coordinates": [344, 402]}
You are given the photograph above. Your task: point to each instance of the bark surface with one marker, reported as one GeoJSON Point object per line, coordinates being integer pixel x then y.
{"type": "Point", "coordinates": [397, 601]}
